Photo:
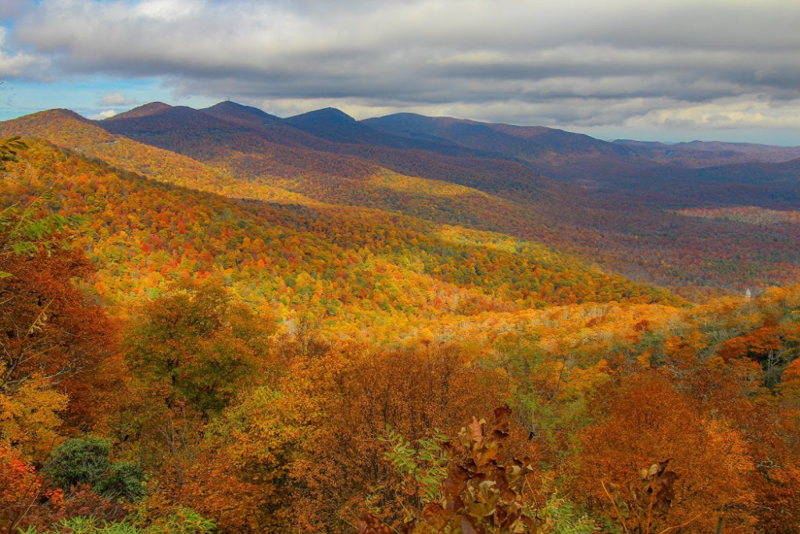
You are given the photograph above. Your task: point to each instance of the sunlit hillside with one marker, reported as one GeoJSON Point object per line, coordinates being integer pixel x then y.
{"type": "Point", "coordinates": [210, 331]}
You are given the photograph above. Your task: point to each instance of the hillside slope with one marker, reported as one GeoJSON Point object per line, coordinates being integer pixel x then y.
{"type": "Point", "coordinates": [639, 231]}
{"type": "Point", "coordinates": [353, 267]}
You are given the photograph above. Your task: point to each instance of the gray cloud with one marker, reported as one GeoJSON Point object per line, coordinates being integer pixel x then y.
{"type": "Point", "coordinates": [15, 64]}
{"type": "Point", "coordinates": [576, 62]}
{"type": "Point", "coordinates": [11, 8]}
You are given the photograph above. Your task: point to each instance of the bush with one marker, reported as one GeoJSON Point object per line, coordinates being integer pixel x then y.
{"type": "Point", "coordinates": [84, 461]}
{"type": "Point", "coordinates": [78, 461]}
{"type": "Point", "coordinates": [125, 480]}
{"type": "Point", "coordinates": [181, 521]}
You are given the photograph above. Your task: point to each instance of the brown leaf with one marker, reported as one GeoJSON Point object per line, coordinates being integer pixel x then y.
{"type": "Point", "coordinates": [470, 466]}
{"type": "Point", "coordinates": [436, 516]}
{"type": "Point", "coordinates": [409, 527]}
{"type": "Point", "coordinates": [476, 430]}
{"type": "Point", "coordinates": [455, 506]}
{"type": "Point", "coordinates": [502, 414]}
{"type": "Point", "coordinates": [669, 478]}
{"type": "Point", "coordinates": [499, 434]}
{"type": "Point", "coordinates": [508, 515]}
{"type": "Point", "coordinates": [653, 471]}
{"type": "Point", "coordinates": [371, 524]}
{"type": "Point", "coordinates": [501, 483]}
{"type": "Point", "coordinates": [531, 524]}
{"type": "Point", "coordinates": [453, 449]}
{"type": "Point", "coordinates": [455, 482]}
{"type": "Point", "coordinates": [470, 526]}
{"type": "Point", "coordinates": [657, 469]}
{"type": "Point", "coordinates": [486, 454]}
{"type": "Point", "coordinates": [665, 494]}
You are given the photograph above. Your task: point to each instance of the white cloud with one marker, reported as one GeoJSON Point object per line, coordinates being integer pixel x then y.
{"type": "Point", "coordinates": [739, 113]}
{"type": "Point", "coordinates": [117, 99]}
{"type": "Point", "coordinates": [103, 115]}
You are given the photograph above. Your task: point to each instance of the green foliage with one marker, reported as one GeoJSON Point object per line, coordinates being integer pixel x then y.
{"type": "Point", "coordinates": [78, 461]}
{"type": "Point", "coordinates": [26, 231]}
{"type": "Point", "coordinates": [561, 516]}
{"type": "Point", "coordinates": [124, 480]}
{"type": "Point", "coordinates": [422, 466]}
{"type": "Point", "coordinates": [87, 525]}
{"type": "Point", "coordinates": [181, 521]}
{"type": "Point", "coordinates": [545, 397]}
{"type": "Point", "coordinates": [198, 344]}
{"type": "Point", "coordinates": [9, 148]}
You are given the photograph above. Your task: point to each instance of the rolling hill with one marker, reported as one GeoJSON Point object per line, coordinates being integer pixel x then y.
{"type": "Point", "coordinates": [630, 222]}
{"type": "Point", "coordinates": [711, 154]}
{"type": "Point", "coordinates": [259, 324]}
{"type": "Point", "coordinates": [352, 267]}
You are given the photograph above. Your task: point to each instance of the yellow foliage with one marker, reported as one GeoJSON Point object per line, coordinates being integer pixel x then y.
{"type": "Point", "coordinates": [29, 417]}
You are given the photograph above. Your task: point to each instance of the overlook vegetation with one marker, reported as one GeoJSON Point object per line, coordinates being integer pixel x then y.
{"type": "Point", "coordinates": [223, 321]}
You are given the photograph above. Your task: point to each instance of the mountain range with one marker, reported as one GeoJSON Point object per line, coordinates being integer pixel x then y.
{"type": "Point", "coordinates": [260, 323]}
{"type": "Point", "coordinates": [659, 215]}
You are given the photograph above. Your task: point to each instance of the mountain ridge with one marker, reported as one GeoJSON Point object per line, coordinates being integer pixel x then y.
{"type": "Point", "coordinates": [630, 222]}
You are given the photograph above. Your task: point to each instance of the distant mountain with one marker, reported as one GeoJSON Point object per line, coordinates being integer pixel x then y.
{"type": "Point", "coordinates": [696, 154]}
{"type": "Point", "coordinates": [69, 130]}
{"type": "Point", "coordinates": [326, 129]}
{"type": "Point", "coordinates": [144, 110]}
{"type": "Point", "coordinates": [253, 150]}
{"type": "Point", "coordinates": [774, 185]}
{"type": "Point", "coordinates": [603, 203]}
{"type": "Point", "coordinates": [335, 125]}
{"type": "Point", "coordinates": [326, 142]}
{"type": "Point", "coordinates": [233, 112]}
{"type": "Point", "coordinates": [765, 153]}
{"type": "Point", "coordinates": [320, 118]}
{"type": "Point", "coordinates": [159, 118]}
{"type": "Point", "coordinates": [654, 172]}
{"type": "Point", "coordinates": [526, 143]}
{"type": "Point", "coordinates": [267, 127]}
{"type": "Point", "coordinates": [554, 153]}
{"type": "Point", "coordinates": [60, 126]}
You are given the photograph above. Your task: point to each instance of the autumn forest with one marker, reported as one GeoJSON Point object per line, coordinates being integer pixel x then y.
{"type": "Point", "coordinates": [219, 320]}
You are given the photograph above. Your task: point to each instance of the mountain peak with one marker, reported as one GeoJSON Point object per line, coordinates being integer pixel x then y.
{"type": "Point", "coordinates": [62, 127]}
{"type": "Point", "coordinates": [324, 115]}
{"type": "Point", "coordinates": [239, 112]}
{"type": "Point", "coordinates": [34, 121]}
{"type": "Point", "coordinates": [229, 105]}
{"type": "Point", "coordinates": [60, 113]}
{"type": "Point", "coordinates": [153, 108]}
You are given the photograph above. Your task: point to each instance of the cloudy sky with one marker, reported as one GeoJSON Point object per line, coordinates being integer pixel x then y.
{"type": "Point", "coordinates": [658, 69]}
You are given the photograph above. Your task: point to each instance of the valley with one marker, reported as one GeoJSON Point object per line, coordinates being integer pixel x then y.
{"type": "Point", "coordinates": [264, 324]}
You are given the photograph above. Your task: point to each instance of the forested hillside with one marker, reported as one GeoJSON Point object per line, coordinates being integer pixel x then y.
{"type": "Point", "coordinates": [631, 225]}
{"type": "Point", "coordinates": [223, 321]}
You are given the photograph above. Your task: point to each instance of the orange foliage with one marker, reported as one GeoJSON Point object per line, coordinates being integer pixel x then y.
{"type": "Point", "coordinates": [389, 322]}
{"type": "Point", "coordinates": [647, 420]}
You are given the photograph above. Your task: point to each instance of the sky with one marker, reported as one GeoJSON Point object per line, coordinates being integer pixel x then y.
{"type": "Point", "coordinates": [667, 70]}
